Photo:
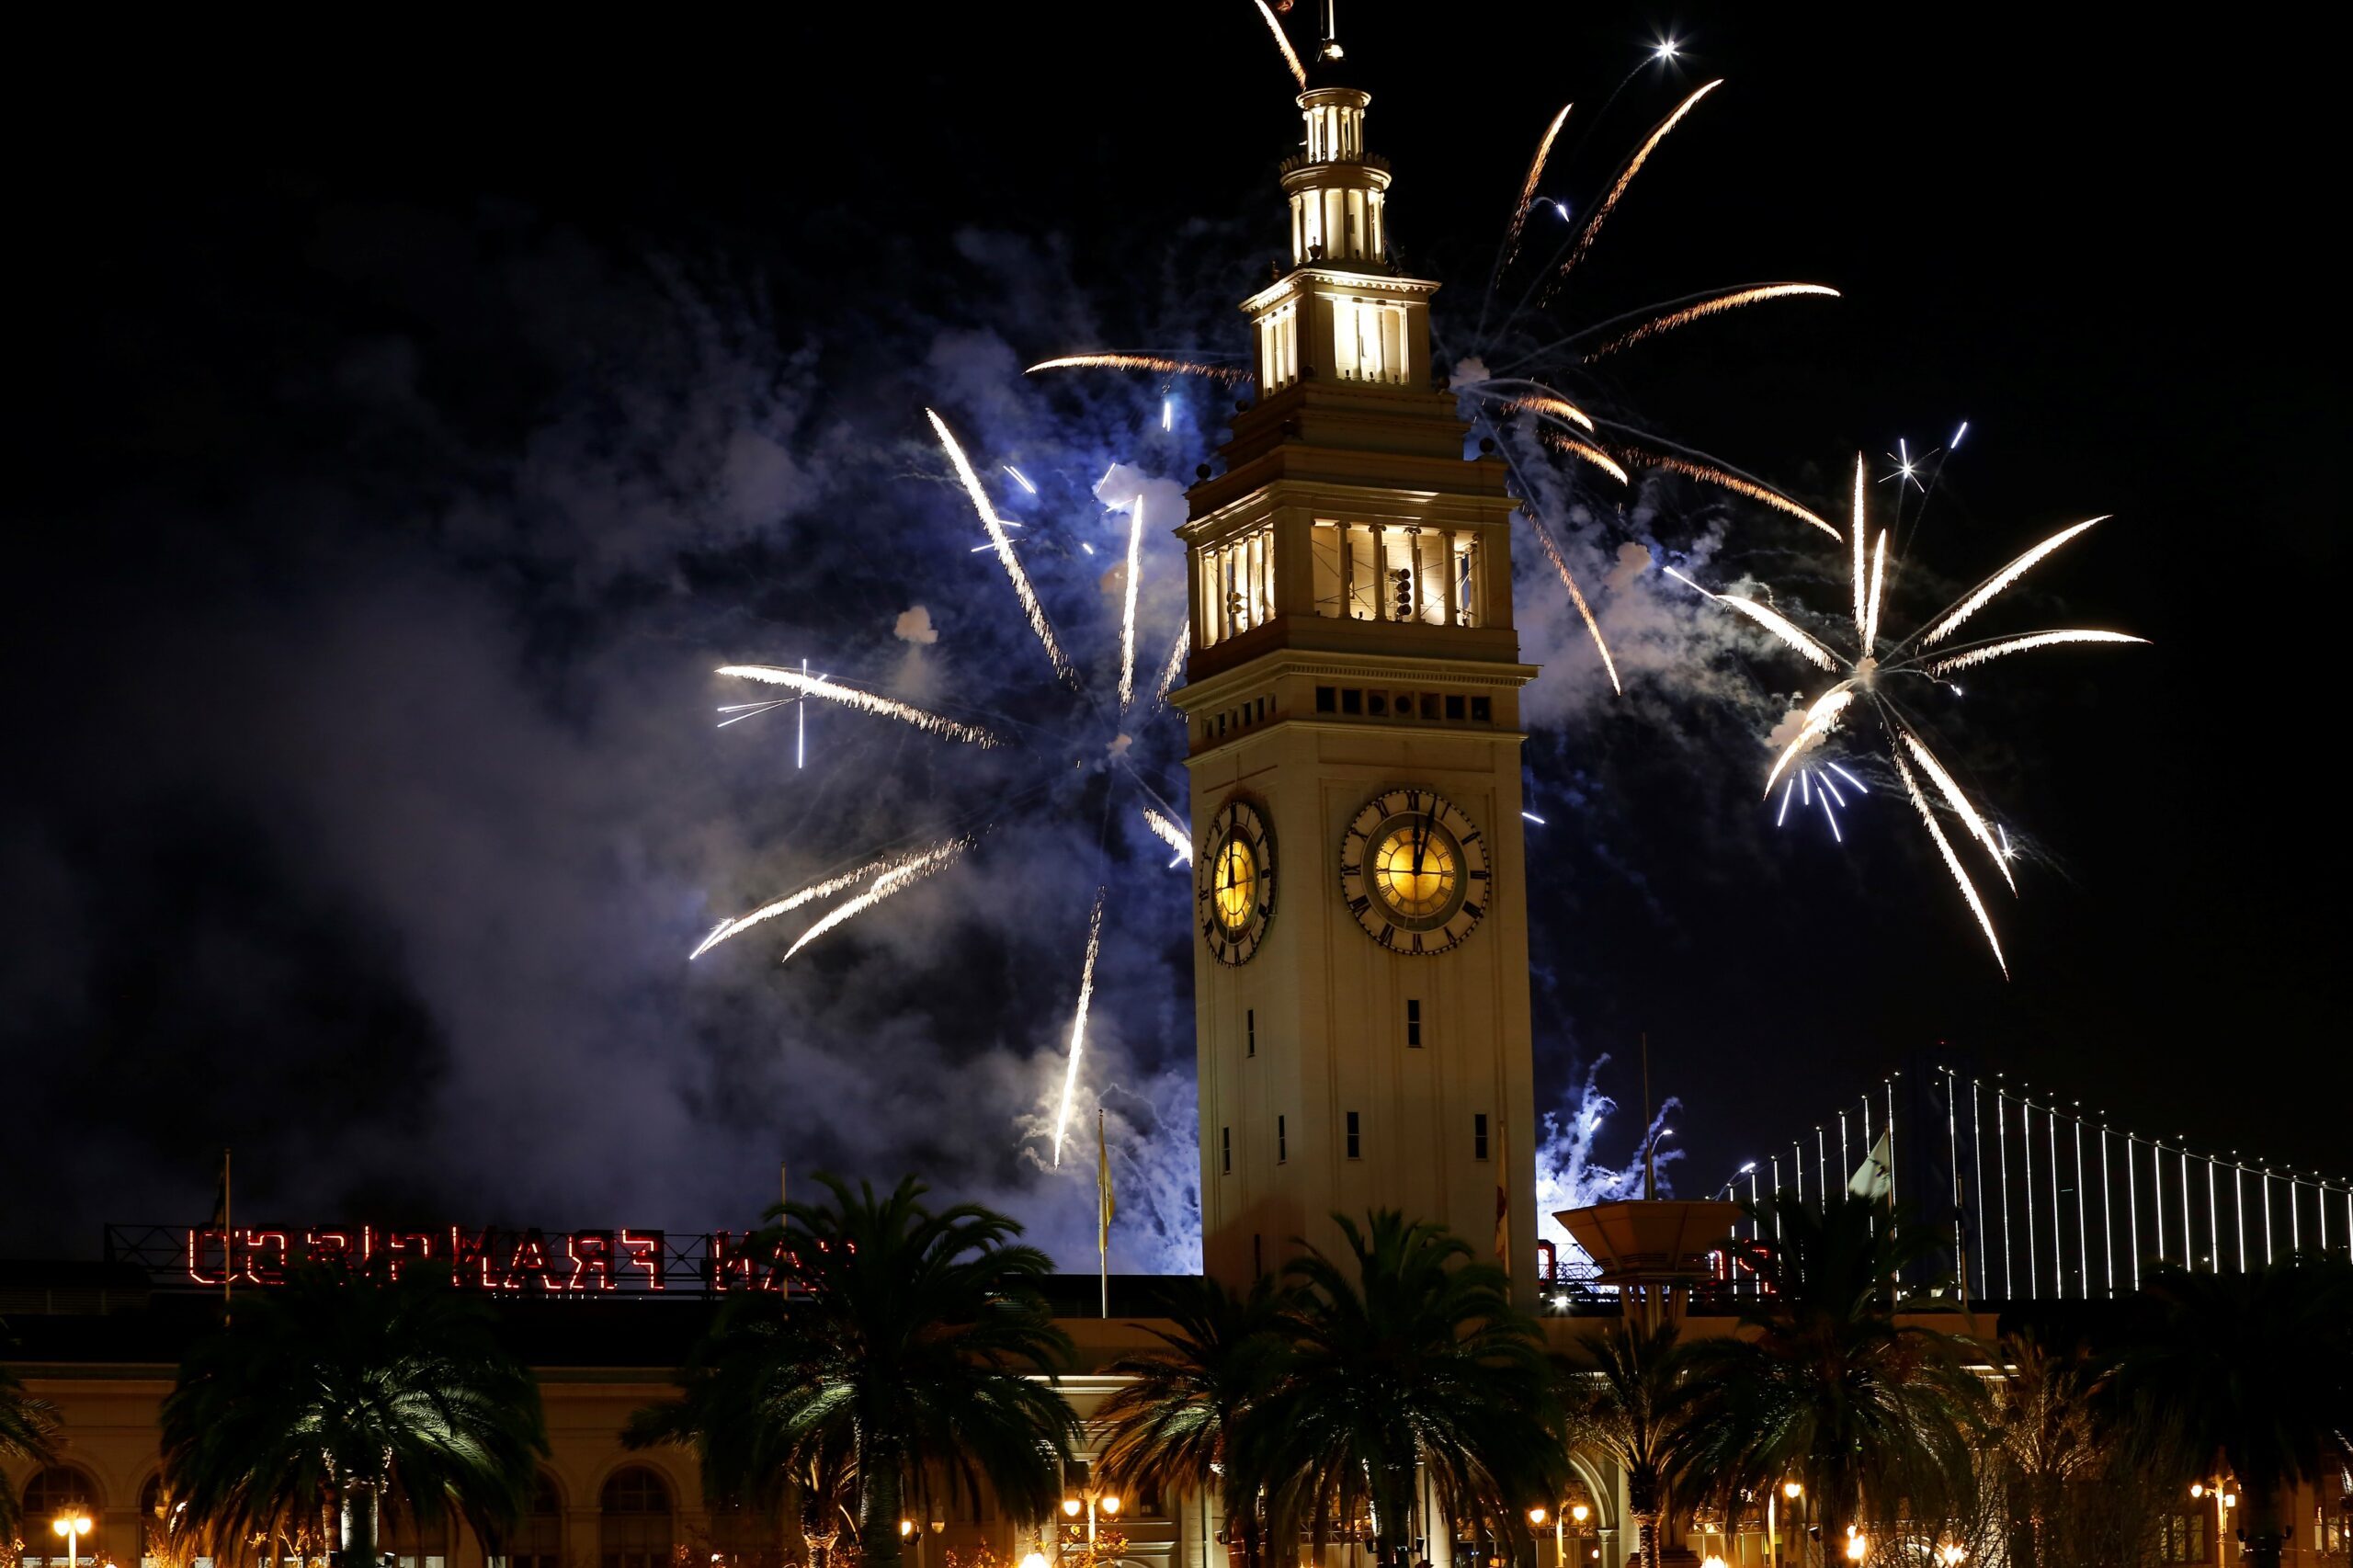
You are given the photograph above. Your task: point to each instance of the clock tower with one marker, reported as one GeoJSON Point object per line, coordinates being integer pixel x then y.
{"type": "Point", "coordinates": [1361, 929]}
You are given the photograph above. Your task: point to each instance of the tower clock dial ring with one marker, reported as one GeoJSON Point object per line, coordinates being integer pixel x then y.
{"type": "Point", "coordinates": [1233, 881]}
{"type": "Point", "coordinates": [1413, 871]}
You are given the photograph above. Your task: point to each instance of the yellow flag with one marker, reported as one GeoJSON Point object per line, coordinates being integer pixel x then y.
{"type": "Point", "coordinates": [1103, 1189]}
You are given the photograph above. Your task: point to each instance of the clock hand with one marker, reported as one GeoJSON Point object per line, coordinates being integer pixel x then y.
{"type": "Point", "coordinates": [1421, 846]}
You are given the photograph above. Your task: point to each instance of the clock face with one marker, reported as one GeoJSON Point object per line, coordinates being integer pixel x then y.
{"type": "Point", "coordinates": [1413, 871]}
{"type": "Point", "coordinates": [1234, 882]}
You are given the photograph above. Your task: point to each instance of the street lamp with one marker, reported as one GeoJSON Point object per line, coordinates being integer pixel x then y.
{"type": "Point", "coordinates": [1950, 1553]}
{"type": "Point", "coordinates": [1790, 1492]}
{"type": "Point", "coordinates": [1094, 1504]}
{"type": "Point", "coordinates": [2224, 1501]}
{"type": "Point", "coordinates": [72, 1526]}
{"type": "Point", "coordinates": [1858, 1545]}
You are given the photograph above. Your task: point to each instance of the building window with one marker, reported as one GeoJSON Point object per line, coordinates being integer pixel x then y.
{"type": "Point", "coordinates": [1454, 707]}
{"type": "Point", "coordinates": [1250, 1031]}
{"type": "Point", "coordinates": [1352, 701]}
{"type": "Point", "coordinates": [1479, 1135]}
{"type": "Point", "coordinates": [1327, 700]}
{"type": "Point", "coordinates": [1377, 704]}
{"type": "Point", "coordinates": [1429, 706]}
{"type": "Point", "coordinates": [635, 1531]}
{"type": "Point", "coordinates": [1283, 1142]}
{"type": "Point", "coordinates": [2181, 1538]}
{"type": "Point", "coordinates": [538, 1541]}
{"type": "Point", "coordinates": [1413, 1023]}
{"type": "Point", "coordinates": [1356, 1148]}
{"type": "Point", "coordinates": [1225, 1149]}
{"type": "Point", "coordinates": [59, 1489]}
{"type": "Point", "coordinates": [1404, 705]}
{"type": "Point", "coordinates": [1483, 710]}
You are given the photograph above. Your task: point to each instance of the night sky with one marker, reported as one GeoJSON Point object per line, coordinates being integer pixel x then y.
{"type": "Point", "coordinates": [408, 430]}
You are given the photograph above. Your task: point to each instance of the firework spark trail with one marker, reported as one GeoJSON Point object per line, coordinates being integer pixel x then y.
{"type": "Point", "coordinates": [904, 874]}
{"type": "Point", "coordinates": [1722, 302]}
{"type": "Point", "coordinates": [1004, 543]}
{"type": "Point", "coordinates": [1977, 598]}
{"type": "Point", "coordinates": [1733, 483]}
{"type": "Point", "coordinates": [1175, 665]}
{"type": "Point", "coordinates": [1168, 832]}
{"type": "Point", "coordinates": [1878, 588]}
{"type": "Point", "coordinates": [1299, 74]}
{"type": "Point", "coordinates": [1527, 186]}
{"type": "Point", "coordinates": [787, 904]}
{"type": "Point", "coordinates": [1588, 453]}
{"type": "Point", "coordinates": [1163, 363]}
{"type": "Point", "coordinates": [866, 701]}
{"type": "Point", "coordinates": [1543, 402]}
{"type": "Point", "coordinates": [1078, 1024]}
{"type": "Point", "coordinates": [1127, 615]}
{"type": "Point", "coordinates": [1626, 177]}
{"type": "Point", "coordinates": [1773, 621]}
{"type": "Point", "coordinates": [1995, 650]}
{"type": "Point", "coordinates": [1951, 791]}
{"type": "Point", "coordinates": [1952, 861]}
{"type": "Point", "coordinates": [1819, 719]}
{"type": "Point", "coordinates": [1576, 595]}
{"type": "Point", "coordinates": [1861, 542]}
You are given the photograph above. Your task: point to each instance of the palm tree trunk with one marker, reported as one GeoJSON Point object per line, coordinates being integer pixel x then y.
{"type": "Point", "coordinates": [2262, 1526]}
{"type": "Point", "coordinates": [1646, 1539]}
{"type": "Point", "coordinates": [359, 1527]}
{"type": "Point", "coordinates": [877, 1508]}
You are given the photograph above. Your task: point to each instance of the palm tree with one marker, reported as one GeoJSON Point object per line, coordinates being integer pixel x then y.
{"type": "Point", "coordinates": [2255, 1370]}
{"type": "Point", "coordinates": [1404, 1355]}
{"type": "Point", "coordinates": [343, 1393]}
{"type": "Point", "coordinates": [1626, 1394]}
{"type": "Point", "coordinates": [2051, 1438]}
{"type": "Point", "coordinates": [1868, 1413]}
{"type": "Point", "coordinates": [1169, 1430]}
{"type": "Point", "coordinates": [909, 1341]}
{"type": "Point", "coordinates": [26, 1427]}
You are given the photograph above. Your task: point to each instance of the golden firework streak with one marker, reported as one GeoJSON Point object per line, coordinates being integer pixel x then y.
{"type": "Point", "coordinates": [1175, 665]}
{"type": "Point", "coordinates": [1160, 362]}
{"type": "Point", "coordinates": [1128, 614]}
{"type": "Point", "coordinates": [1978, 655]}
{"type": "Point", "coordinates": [1576, 596]}
{"type": "Point", "coordinates": [1878, 589]}
{"type": "Point", "coordinates": [1078, 1024]}
{"type": "Point", "coordinates": [1527, 186]}
{"type": "Point", "coordinates": [787, 904]}
{"type": "Point", "coordinates": [1722, 302]}
{"type": "Point", "coordinates": [1299, 74]}
{"type": "Point", "coordinates": [902, 875]}
{"type": "Point", "coordinates": [1004, 543]}
{"type": "Point", "coordinates": [1950, 790]}
{"type": "Point", "coordinates": [1819, 721]}
{"type": "Point", "coordinates": [1591, 454]}
{"type": "Point", "coordinates": [1981, 595]}
{"type": "Point", "coordinates": [1633, 167]}
{"type": "Point", "coordinates": [1952, 861]}
{"type": "Point", "coordinates": [1168, 832]}
{"type": "Point", "coordinates": [865, 701]}
{"type": "Point", "coordinates": [1772, 620]}
{"type": "Point", "coordinates": [1551, 407]}
{"type": "Point", "coordinates": [1737, 486]}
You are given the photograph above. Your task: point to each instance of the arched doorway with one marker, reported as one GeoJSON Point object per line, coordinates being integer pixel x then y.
{"type": "Point", "coordinates": [634, 1524]}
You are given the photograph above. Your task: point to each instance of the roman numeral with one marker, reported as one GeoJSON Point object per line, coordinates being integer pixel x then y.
{"type": "Point", "coordinates": [1417, 941]}
{"type": "Point", "coordinates": [1476, 876]}
{"type": "Point", "coordinates": [1471, 839]}
{"type": "Point", "coordinates": [1388, 936]}
{"type": "Point", "coordinates": [1351, 869]}
{"type": "Point", "coordinates": [1359, 904]}
{"type": "Point", "coordinates": [1473, 910]}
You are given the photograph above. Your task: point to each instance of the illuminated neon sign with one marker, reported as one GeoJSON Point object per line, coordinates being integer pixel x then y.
{"type": "Point", "coordinates": [511, 1262]}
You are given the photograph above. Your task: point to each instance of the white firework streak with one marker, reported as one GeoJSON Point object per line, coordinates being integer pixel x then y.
{"type": "Point", "coordinates": [1175, 665]}
{"type": "Point", "coordinates": [866, 701]}
{"type": "Point", "coordinates": [1952, 861]}
{"type": "Point", "coordinates": [1299, 72]}
{"type": "Point", "coordinates": [1078, 1024]}
{"type": "Point", "coordinates": [1818, 722]}
{"type": "Point", "coordinates": [1878, 589]}
{"type": "Point", "coordinates": [1004, 543]}
{"type": "Point", "coordinates": [902, 875]}
{"type": "Point", "coordinates": [1576, 595]}
{"type": "Point", "coordinates": [1979, 596]}
{"type": "Point", "coordinates": [1951, 791]}
{"type": "Point", "coordinates": [1861, 541]}
{"type": "Point", "coordinates": [1808, 648]}
{"type": "Point", "coordinates": [787, 904]}
{"type": "Point", "coordinates": [1128, 617]}
{"type": "Point", "coordinates": [1995, 650]}
{"type": "Point", "coordinates": [1168, 832]}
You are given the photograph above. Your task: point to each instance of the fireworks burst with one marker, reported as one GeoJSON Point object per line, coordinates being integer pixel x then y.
{"type": "Point", "coordinates": [1871, 673]}
{"type": "Point", "coordinates": [1819, 787]}
{"type": "Point", "coordinates": [851, 696]}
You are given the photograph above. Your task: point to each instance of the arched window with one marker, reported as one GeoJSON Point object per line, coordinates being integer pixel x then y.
{"type": "Point", "coordinates": [61, 1490]}
{"type": "Point", "coordinates": [634, 1530]}
{"type": "Point", "coordinates": [411, 1545]}
{"type": "Point", "coordinates": [538, 1541]}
